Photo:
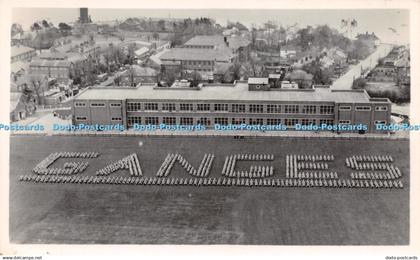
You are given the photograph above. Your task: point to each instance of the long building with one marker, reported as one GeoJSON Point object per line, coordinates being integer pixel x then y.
{"type": "Point", "coordinates": [252, 103]}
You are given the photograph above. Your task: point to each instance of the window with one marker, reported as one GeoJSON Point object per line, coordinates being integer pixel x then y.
{"type": "Point", "coordinates": [291, 109]}
{"type": "Point", "coordinates": [187, 121]}
{"type": "Point", "coordinates": [131, 120]}
{"type": "Point", "coordinates": [186, 107]}
{"type": "Point", "coordinates": [363, 108]}
{"type": "Point", "coordinates": [152, 120]}
{"type": "Point", "coordinates": [380, 122]}
{"type": "Point", "coordinates": [168, 107]}
{"type": "Point", "coordinates": [326, 121]}
{"type": "Point", "coordinates": [273, 121]}
{"type": "Point", "coordinates": [169, 120]}
{"type": "Point", "coordinates": [221, 107]}
{"type": "Point", "coordinates": [253, 108]}
{"type": "Point", "coordinates": [238, 108]}
{"type": "Point", "coordinates": [204, 121]}
{"type": "Point", "coordinates": [238, 121]}
{"type": "Point", "coordinates": [78, 104]}
{"type": "Point", "coordinates": [116, 119]}
{"type": "Point", "coordinates": [151, 107]}
{"type": "Point", "coordinates": [290, 122]}
{"type": "Point", "coordinates": [307, 121]}
{"type": "Point", "coordinates": [309, 109]}
{"type": "Point", "coordinates": [381, 108]}
{"type": "Point", "coordinates": [97, 104]}
{"type": "Point", "coordinates": [203, 107]}
{"type": "Point", "coordinates": [274, 109]}
{"type": "Point", "coordinates": [133, 106]}
{"type": "Point", "coordinates": [81, 118]}
{"type": "Point", "coordinates": [256, 121]}
{"type": "Point", "coordinates": [344, 122]}
{"type": "Point", "coordinates": [326, 110]}
{"type": "Point", "coordinates": [221, 121]}
{"type": "Point", "coordinates": [344, 108]}
{"type": "Point", "coordinates": [115, 105]}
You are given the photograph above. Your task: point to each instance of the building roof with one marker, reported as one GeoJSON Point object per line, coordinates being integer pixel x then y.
{"type": "Point", "coordinates": [19, 65]}
{"type": "Point", "coordinates": [50, 63]}
{"type": "Point", "coordinates": [367, 36]}
{"type": "Point", "coordinates": [258, 81]}
{"type": "Point", "coordinates": [18, 50]}
{"type": "Point", "coordinates": [52, 55]}
{"type": "Point", "coordinates": [239, 92]}
{"type": "Point", "coordinates": [206, 40]}
{"type": "Point", "coordinates": [15, 98]}
{"type": "Point", "coordinates": [141, 51]}
{"type": "Point", "coordinates": [197, 54]}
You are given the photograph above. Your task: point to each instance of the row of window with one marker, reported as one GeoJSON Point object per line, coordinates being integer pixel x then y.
{"type": "Point", "coordinates": [236, 108]}
{"type": "Point", "coordinates": [81, 104]}
{"type": "Point", "coordinates": [225, 121]}
{"type": "Point", "coordinates": [363, 108]}
{"type": "Point", "coordinates": [153, 120]}
{"type": "Point", "coordinates": [84, 118]}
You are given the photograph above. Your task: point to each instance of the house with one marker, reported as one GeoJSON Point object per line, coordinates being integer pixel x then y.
{"type": "Point", "coordinates": [20, 106]}
{"type": "Point", "coordinates": [370, 39]}
{"type": "Point", "coordinates": [21, 53]}
{"type": "Point", "coordinates": [201, 60]}
{"type": "Point", "coordinates": [60, 66]}
{"type": "Point", "coordinates": [255, 84]}
{"type": "Point", "coordinates": [302, 78]}
{"type": "Point", "coordinates": [137, 74]}
{"type": "Point", "coordinates": [23, 38]}
{"type": "Point", "coordinates": [18, 72]}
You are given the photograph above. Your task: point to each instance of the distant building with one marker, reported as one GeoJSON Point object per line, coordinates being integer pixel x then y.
{"type": "Point", "coordinates": [258, 84]}
{"type": "Point", "coordinates": [201, 60]}
{"type": "Point", "coordinates": [84, 16]}
{"type": "Point", "coordinates": [302, 78]}
{"type": "Point", "coordinates": [21, 53]}
{"type": "Point", "coordinates": [202, 54]}
{"type": "Point", "coordinates": [137, 74]}
{"type": "Point", "coordinates": [20, 106]}
{"type": "Point", "coordinates": [370, 39]}
{"type": "Point", "coordinates": [61, 66]}
{"type": "Point", "coordinates": [395, 67]}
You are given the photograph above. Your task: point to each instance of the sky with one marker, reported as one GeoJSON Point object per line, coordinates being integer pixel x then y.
{"type": "Point", "coordinates": [381, 21]}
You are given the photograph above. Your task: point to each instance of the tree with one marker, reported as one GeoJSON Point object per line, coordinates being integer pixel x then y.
{"type": "Point", "coordinates": [15, 29]}
{"type": "Point", "coordinates": [45, 24]}
{"type": "Point", "coordinates": [35, 27]}
{"type": "Point", "coordinates": [360, 50]}
{"type": "Point", "coordinates": [359, 83]}
{"type": "Point", "coordinates": [64, 28]}
{"type": "Point", "coordinates": [195, 78]}
{"type": "Point", "coordinates": [38, 84]}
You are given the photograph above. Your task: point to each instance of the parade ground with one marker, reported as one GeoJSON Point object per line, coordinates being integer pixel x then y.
{"type": "Point", "coordinates": [44, 213]}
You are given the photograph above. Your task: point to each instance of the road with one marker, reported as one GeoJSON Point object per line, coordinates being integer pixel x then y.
{"type": "Point", "coordinates": [345, 81]}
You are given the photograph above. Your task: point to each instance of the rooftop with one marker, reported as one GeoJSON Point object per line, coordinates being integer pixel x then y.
{"type": "Point", "coordinates": [196, 54]}
{"type": "Point", "coordinates": [238, 92]}
{"type": "Point", "coordinates": [206, 40]}
{"type": "Point", "coordinates": [18, 50]}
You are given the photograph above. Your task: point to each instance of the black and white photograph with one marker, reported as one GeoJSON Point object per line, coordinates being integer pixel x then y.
{"type": "Point", "coordinates": [209, 126]}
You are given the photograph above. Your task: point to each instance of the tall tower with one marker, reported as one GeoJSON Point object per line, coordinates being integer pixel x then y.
{"type": "Point", "coordinates": [84, 16]}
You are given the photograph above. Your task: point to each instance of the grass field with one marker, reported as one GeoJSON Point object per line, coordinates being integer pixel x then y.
{"type": "Point", "coordinates": [72, 213]}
